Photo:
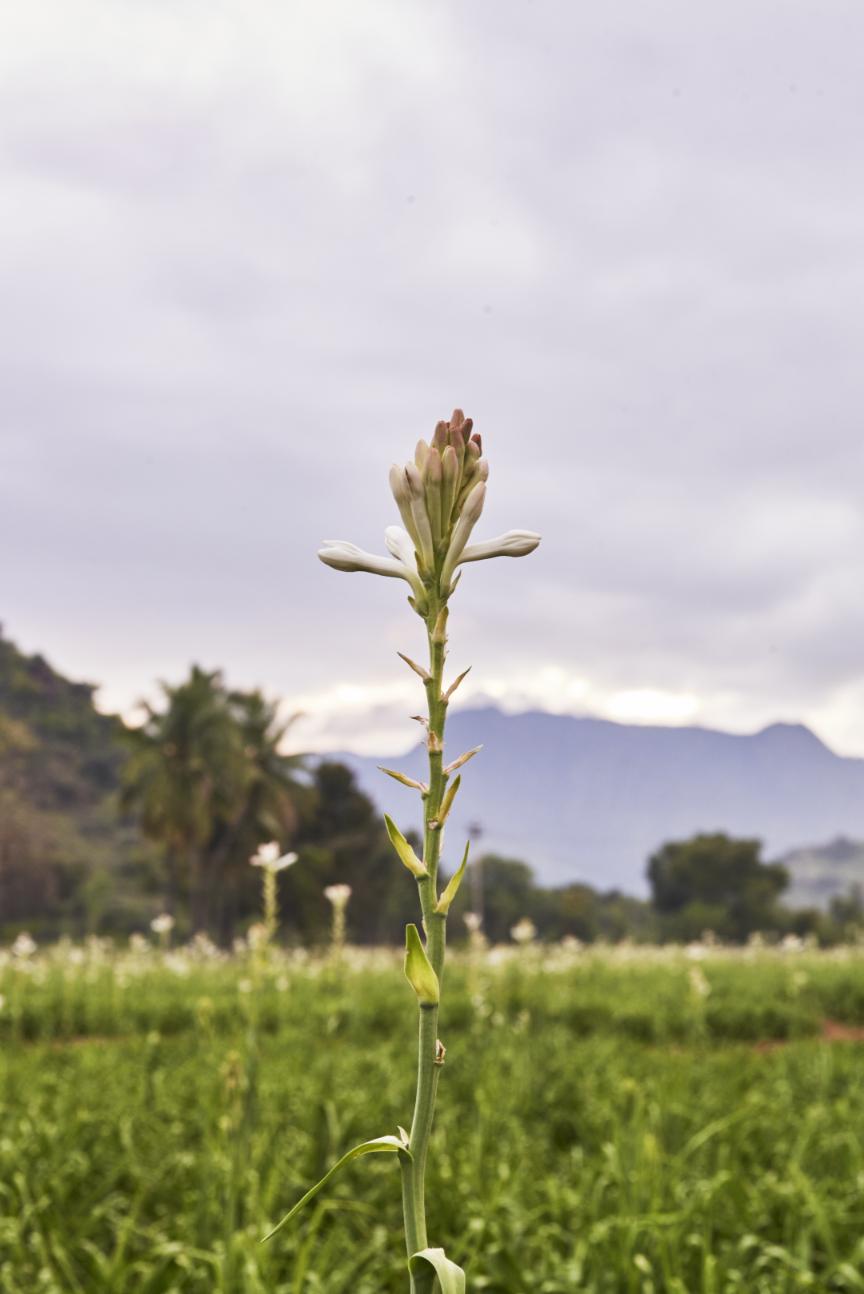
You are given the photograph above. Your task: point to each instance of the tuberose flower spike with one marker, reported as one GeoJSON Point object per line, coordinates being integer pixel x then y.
{"type": "Point", "coordinates": [440, 496]}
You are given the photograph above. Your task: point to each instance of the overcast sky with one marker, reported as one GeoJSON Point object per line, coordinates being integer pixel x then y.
{"type": "Point", "coordinates": [251, 251]}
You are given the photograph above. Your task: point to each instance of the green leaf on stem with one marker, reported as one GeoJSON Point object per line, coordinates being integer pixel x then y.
{"type": "Point", "coordinates": [418, 969]}
{"type": "Point", "coordinates": [449, 797]}
{"type": "Point", "coordinates": [451, 889]}
{"type": "Point", "coordinates": [450, 1277]}
{"type": "Point", "coordinates": [403, 849]}
{"type": "Point", "coordinates": [406, 781]}
{"type": "Point", "coordinates": [380, 1145]}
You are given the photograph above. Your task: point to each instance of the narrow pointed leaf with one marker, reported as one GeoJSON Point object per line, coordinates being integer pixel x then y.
{"type": "Point", "coordinates": [403, 849]}
{"type": "Point", "coordinates": [412, 664]}
{"type": "Point", "coordinates": [380, 1145]}
{"type": "Point", "coordinates": [406, 781]}
{"type": "Point", "coordinates": [418, 969]}
{"type": "Point", "coordinates": [450, 1277]}
{"type": "Point", "coordinates": [447, 802]}
{"type": "Point", "coordinates": [463, 759]}
{"type": "Point", "coordinates": [453, 686]}
{"type": "Point", "coordinates": [451, 889]}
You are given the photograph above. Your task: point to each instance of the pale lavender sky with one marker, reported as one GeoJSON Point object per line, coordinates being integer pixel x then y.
{"type": "Point", "coordinates": [250, 252]}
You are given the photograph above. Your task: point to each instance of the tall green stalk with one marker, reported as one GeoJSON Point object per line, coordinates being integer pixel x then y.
{"type": "Point", "coordinates": [440, 497]}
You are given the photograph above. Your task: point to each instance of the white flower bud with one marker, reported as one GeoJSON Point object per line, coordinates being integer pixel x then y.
{"type": "Point", "coordinates": [468, 518]}
{"type": "Point", "coordinates": [417, 492]}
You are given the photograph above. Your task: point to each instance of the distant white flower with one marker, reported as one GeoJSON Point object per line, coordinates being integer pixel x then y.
{"type": "Point", "coordinates": [338, 895]}
{"type": "Point", "coordinates": [473, 921]}
{"type": "Point", "coordinates": [137, 943]}
{"type": "Point", "coordinates": [163, 924]}
{"type": "Point", "coordinates": [268, 857]}
{"type": "Point", "coordinates": [257, 935]}
{"type": "Point", "coordinates": [571, 944]}
{"type": "Point", "coordinates": [524, 932]}
{"type": "Point", "coordinates": [24, 945]}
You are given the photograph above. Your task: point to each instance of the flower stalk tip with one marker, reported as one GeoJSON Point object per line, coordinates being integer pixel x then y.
{"type": "Point", "coordinates": [440, 496]}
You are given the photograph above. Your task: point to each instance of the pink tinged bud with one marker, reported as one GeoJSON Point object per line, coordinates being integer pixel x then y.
{"type": "Point", "coordinates": [449, 484]}
{"type": "Point", "coordinates": [478, 440]}
{"type": "Point", "coordinates": [439, 438]}
{"type": "Point", "coordinates": [457, 440]}
{"type": "Point", "coordinates": [515, 543]}
{"type": "Point", "coordinates": [457, 418]}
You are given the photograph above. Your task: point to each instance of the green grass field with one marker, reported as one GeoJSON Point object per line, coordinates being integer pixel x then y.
{"type": "Point", "coordinates": [608, 1121]}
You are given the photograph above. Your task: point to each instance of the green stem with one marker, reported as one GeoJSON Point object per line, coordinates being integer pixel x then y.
{"type": "Point", "coordinates": [428, 1062]}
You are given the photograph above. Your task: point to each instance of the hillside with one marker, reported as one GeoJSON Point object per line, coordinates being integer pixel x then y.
{"type": "Point", "coordinates": [820, 873]}
{"type": "Point", "coordinates": [64, 850]}
{"type": "Point", "coordinates": [590, 799]}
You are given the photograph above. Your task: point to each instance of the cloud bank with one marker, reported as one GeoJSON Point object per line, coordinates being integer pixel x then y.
{"type": "Point", "coordinates": [251, 252]}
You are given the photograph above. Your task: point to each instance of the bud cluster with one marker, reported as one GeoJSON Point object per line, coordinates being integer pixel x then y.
{"type": "Point", "coordinates": [442, 492]}
{"type": "Point", "coordinates": [440, 497]}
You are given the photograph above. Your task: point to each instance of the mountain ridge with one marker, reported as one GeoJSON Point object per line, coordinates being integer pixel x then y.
{"type": "Point", "coordinates": [586, 798]}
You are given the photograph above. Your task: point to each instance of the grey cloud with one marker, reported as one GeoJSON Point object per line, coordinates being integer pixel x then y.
{"type": "Point", "coordinates": [248, 260]}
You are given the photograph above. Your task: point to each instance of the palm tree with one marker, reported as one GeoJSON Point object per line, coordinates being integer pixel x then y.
{"type": "Point", "coordinates": [274, 796]}
{"type": "Point", "coordinates": [209, 783]}
{"type": "Point", "coordinates": [183, 775]}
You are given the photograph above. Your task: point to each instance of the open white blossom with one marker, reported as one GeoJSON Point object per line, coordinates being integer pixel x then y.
{"type": "Point", "coordinates": [344, 556]}
{"type": "Point", "coordinates": [163, 924]}
{"type": "Point", "coordinates": [271, 858]}
{"type": "Point", "coordinates": [515, 543]}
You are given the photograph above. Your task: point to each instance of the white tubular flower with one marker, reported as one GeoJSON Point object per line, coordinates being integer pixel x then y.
{"type": "Point", "coordinates": [343, 556]}
{"type": "Point", "coordinates": [401, 545]}
{"type": "Point", "coordinates": [515, 543]}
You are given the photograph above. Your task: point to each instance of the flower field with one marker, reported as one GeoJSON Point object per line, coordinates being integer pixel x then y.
{"type": "Point", "coordinates": [617, 1119]}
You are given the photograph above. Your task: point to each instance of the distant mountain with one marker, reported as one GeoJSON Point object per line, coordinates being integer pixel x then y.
{"type": "Point", "coordinates": [588, 799]}
{"type": "Point", "coordinates": [820, 873]}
